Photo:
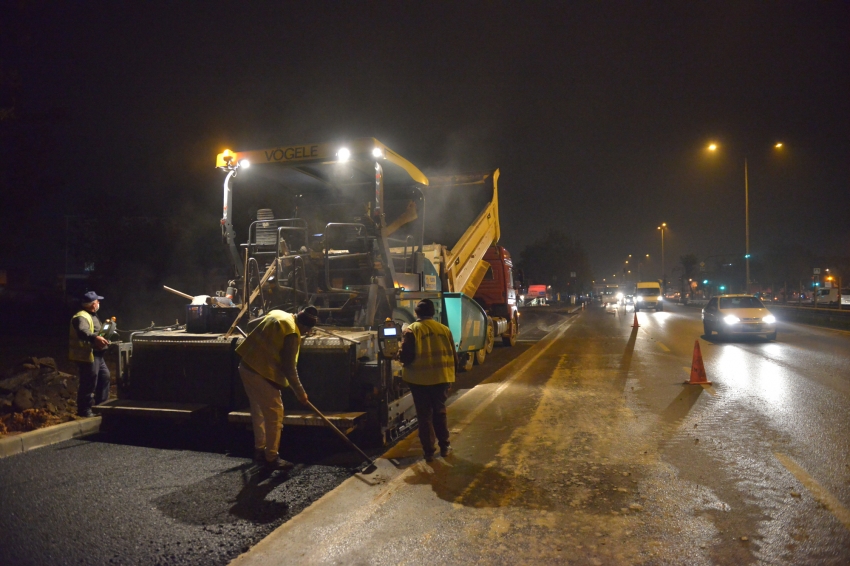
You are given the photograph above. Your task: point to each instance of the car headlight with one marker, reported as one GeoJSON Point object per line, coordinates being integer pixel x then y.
{"type": "Point", "coordinates": [769, 319]}
{"type": "Point", "coordinates": [619, 295]}
{"type": "Point", "coordinates": [639, 298]}
{"type": "Point", "coordinates": [658, 299]}
{"type": "Point", "coordinates": [731, 319]}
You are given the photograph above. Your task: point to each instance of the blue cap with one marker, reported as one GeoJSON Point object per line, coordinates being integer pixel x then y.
{"type": "Point", "coordinates": [90, 297]}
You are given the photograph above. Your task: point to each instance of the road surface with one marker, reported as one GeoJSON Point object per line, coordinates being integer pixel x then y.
{"type": "Point", "coordinates": [589, 449]}
{"type": "Point", "coordinates": [586, 448]}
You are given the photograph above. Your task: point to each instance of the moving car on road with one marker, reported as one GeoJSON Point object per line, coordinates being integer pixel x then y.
{"type": "Point", "coordinates": [648, 296]}
{"type": "Point", "coordinates": [738, 315]}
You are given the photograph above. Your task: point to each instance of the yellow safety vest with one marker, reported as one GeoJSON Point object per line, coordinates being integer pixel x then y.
{"type": "Point", "coordinates": [80, 350]}
{"type": "Point", "coordinates": [261, 349]}
{"type": "Point", "coordinates": [434, 362]}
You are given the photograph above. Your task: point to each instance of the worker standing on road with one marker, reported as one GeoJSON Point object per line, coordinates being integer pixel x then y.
{"type": "Point", "coordinates": [86, 348]}
{"type": "Point", "coordinates": [429, 357]}
{"type": "Point", "coordinates": [269, 357]}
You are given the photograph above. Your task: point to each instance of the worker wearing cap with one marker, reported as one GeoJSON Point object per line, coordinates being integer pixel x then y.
{"type": "Point", "coordinates": [429, 357]}
{"type": "Point", "coordinates": [86, 348]}
{"type": "Point", "coordinates": [269, 357]}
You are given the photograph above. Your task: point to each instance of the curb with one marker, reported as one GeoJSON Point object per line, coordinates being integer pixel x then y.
{"type": "Point", "coordinates": [50, 435]}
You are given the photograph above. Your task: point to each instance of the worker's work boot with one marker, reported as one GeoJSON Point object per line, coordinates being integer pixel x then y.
{"type": "Point", "coordinates": [429, 456]}
{"type": "Point", "coordinates": [445, 450]}
{"type": "Point", "coordinates": [279, 464]}
{"type": "Point", "coordinates": [260, 455]}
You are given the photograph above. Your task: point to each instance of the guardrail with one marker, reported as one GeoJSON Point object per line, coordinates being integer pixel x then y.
{"type": "Point", "coordinates": [831, 317]}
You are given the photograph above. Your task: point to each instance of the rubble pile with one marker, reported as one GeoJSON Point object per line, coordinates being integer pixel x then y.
{"type": "Point", "coordinates": [34, 394]}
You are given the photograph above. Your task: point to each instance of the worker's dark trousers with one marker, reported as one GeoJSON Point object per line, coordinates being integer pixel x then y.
{"type": "Point", "coordinates": [430, 401]}
{"type": "Point", "coordinates": [94, 384]}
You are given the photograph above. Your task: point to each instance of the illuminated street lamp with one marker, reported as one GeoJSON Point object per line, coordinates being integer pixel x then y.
{"type": "Point", "coordinates": [663, 272]}
{"type": "Point", "coordinates": [713, 147]}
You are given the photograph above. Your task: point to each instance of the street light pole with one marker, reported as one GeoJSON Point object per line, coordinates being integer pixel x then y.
{"type": "Point", "coordinates": [747, 223]}
{"type": "Point", "coordinates": [778, 146]}
{"type": "Point", "coordinates": [663, 271]}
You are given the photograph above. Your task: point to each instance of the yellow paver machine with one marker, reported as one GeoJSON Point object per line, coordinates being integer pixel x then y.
{"type": "Point", "coordinates": [342, 227]}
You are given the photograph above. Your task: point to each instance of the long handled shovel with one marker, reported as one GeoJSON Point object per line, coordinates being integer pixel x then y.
{"type": "Point", "coordinates": [368, 469]}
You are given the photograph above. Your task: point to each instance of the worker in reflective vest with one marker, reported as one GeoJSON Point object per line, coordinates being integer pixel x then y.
{"type": "Point", "coordinates": [430, 359]}
{"type": "Point", "coordinates": [269, 358]}
{"type": "Point", "coordinates": [86, 347]}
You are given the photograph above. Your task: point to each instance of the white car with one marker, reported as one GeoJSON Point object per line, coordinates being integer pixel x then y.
{"type": "Point", "coordinates": [738, 315]}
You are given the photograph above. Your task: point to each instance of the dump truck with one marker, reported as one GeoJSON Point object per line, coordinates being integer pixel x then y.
{"type": "Point", "coordinates": [343, 227]}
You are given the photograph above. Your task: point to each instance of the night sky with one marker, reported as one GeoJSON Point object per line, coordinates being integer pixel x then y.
{"type": "Point", "coordinates": [597, 113]}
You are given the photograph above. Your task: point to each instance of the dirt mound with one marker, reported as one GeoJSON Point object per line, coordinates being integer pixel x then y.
{"type": "Point", "coordinates": [34, 394]}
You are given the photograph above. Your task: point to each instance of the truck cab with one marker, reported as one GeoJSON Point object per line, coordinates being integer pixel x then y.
{"type": "Point", "coordinates": [496, 294]}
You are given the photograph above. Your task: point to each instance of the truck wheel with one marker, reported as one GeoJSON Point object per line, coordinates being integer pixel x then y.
{"type": "Point", "coordinates": [637, 308]}
{"type": "Point", "coordinates": [480, 356]}
{"type": "Point", "coordinates": [772, 336]}
{"type": "Point", "coordinates": [466, 361]}
{"type": "Point", "coordinates": [510, 339]}
{"type": "Point", "coordinates": [706, 327]}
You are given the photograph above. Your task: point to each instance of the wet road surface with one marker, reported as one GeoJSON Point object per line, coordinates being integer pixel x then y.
{"type": "Point", "coordinates": [589, 449]}
{"type": "Point", "coordinates": [161, 494]}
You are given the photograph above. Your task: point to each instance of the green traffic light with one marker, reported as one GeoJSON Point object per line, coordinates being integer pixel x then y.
{"type": "Point", "coordinates": [705, 281]}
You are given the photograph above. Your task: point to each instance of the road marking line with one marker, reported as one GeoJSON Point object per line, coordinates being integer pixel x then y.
{"type": "Point", "coordinates": [663, 347]}
{"type": "Point", "coordinates": [492, 397]}
{"type": "Point", "coordinates": [818, 491]}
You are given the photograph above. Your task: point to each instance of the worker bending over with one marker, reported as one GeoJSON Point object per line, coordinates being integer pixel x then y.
{"type": "Point", "coordinates": [86, 347]}
{"type": "Point", "coordinates": [429, 357]}
{"type": "Point", "coordinates": [269, 358]}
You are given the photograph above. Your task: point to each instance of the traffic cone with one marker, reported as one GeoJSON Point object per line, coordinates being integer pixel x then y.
{"type": "Point", "coordinates": [697, 368]}
{"type": "Point", "coordinates": [636, 325]}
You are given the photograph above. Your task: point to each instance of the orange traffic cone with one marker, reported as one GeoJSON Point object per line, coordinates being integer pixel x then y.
{"type": "Point", "coordinates": [636, 325]}
{"type": "Point", "coordinates": [697, 368]}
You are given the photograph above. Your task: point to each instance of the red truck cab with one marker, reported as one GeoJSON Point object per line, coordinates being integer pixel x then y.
{"type": "Point", "coordinates": [496, 293]}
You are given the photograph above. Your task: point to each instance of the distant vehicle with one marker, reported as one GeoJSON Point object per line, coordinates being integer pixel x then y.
{"type": "Point", "coordinates": [829, 296]}
{"type": "Point", "coordinates": [611, 295]}
{"type": "Point", "coordinates": [629, 299]}
{"type": "Point", "coordinates": [738, 315]}
{"type": "Point", "coordinates": [648, 296]}
{"type": "Point", "coordinates": [536, 295]}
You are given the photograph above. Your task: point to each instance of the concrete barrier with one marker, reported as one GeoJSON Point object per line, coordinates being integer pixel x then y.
{"type": "Point", "coordinates": [830, 318]}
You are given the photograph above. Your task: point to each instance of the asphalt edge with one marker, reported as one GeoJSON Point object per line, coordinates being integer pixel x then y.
{"type": "Point", "coordinates": [24, 442]}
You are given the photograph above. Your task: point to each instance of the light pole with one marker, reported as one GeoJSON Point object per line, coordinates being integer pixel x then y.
{"type": "Point", "coordinates": [663, 272]}
{"type": "Point", "coordinates": [713, 147]}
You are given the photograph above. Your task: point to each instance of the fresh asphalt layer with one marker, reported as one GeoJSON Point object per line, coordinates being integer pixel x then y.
{"type": "Point", "coordinates": [166, 495]}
